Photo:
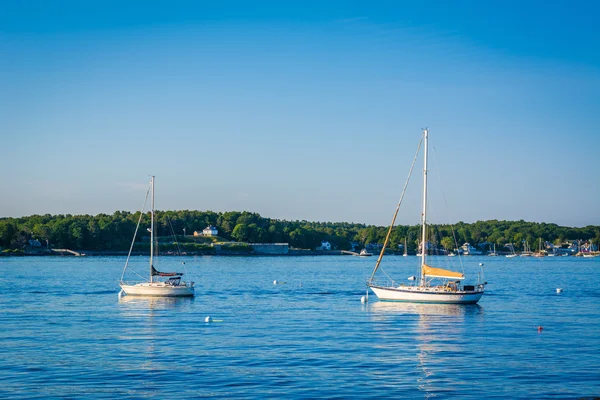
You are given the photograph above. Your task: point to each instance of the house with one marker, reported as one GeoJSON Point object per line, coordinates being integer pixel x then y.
{"type": "Point", "coordinates": [34, 243]}
{"type": "Point", "coordinates": [208, 231]}
{"type": "Point", "coordinates": [324, 246]}
{"type": "Point", "coordinates": [373, 246]}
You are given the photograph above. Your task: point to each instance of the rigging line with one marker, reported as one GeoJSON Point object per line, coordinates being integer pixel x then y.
{"type": "Point", "coordinates": [136, 231]}
{"type": "Point", "coordinates": [437, 170]}
{"type": "Point", "coordinates": [176, 242]}
{"type": "Point", "coordinates": [387, 237]}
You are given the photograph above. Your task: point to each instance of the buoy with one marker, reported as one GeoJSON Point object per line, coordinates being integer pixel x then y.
{"type": "Point", "coordinates": [275, 282]}
{"type": "Point", "coordinates": [558, 290]}
{"type": "Point", "coordinates": [411, 278]}
{"type": "Point", "coordinates": [540, 329]}
{"type": "Point", "coordinates": [208, 319]}
{"type": "Point", "coordinates": [363, 299]}
{"type": "Point", "coordinates": [481, 264]}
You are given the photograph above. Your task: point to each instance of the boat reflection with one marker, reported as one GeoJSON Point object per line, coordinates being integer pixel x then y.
{"type": "Point", "coordinates": [426, 337]}
{"type": "Point", "coordinates": [395, 307]}
{"type": "Point", "coordinates": [155, 302]}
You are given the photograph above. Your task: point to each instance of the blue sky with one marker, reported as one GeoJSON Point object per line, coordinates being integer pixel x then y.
{"type": "Point", "coordinates": [307, 110]}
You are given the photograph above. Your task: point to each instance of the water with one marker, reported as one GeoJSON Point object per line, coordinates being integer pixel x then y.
{"type": "Point", "coordinates": [65, 334]}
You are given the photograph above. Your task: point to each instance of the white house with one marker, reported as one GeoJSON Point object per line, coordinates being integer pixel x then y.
{"type": "Point", "coordinates": [210, 231]}
{"type": "Point", "coordinates": [324, 246]}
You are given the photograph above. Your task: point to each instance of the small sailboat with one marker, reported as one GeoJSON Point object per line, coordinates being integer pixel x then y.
{"type": "Point", "coordinates": [512, 250]}
{"type": "Point", "coordinates": [426, 289]}
{"type": "Point", "coordinates": [493, 252]}
{"type": "Point", "coordinates": [405, 249]}
{"type": "Point", "coordinates": [541, 252]}
{"type": "Point", "coordinates": [171, 284]}
{"type": "Point", "coordinates": [526, 250]}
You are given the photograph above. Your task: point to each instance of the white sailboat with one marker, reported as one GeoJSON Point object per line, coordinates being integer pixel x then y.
{"type": "Point", "coordinates": [171, 285]}
{"type": "Point", "coordinates": [512, 250]}
{"type": "Point", "coordinates": [526, 250]}
{"type": "Point", "coordinates": [405, 249]}
{"type": "Point", "coordinates": [449, 288]}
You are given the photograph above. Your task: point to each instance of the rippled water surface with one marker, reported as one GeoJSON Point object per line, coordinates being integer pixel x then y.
{"type": "Point", "coordinates": [65, 333]}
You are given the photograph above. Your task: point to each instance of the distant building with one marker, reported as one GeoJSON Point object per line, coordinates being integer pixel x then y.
{"type": "Point", "coordinates": [324, 246]}
{"type": "Point", "coordinates": [208, 231]}
{"type": "Point", "coordinates": [373, 246]}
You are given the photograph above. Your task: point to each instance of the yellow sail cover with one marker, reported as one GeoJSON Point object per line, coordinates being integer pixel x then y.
{"type": "Point", "coordinates": [441, 273]}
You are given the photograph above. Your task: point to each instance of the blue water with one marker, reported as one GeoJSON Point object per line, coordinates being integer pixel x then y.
{"type": "Point", "coordinates": [65, 334]}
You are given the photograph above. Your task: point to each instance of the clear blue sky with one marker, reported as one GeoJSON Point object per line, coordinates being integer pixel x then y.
{"type": "Point", "coordinates": [301, 110]}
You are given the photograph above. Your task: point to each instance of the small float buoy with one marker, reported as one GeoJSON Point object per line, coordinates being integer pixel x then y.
{"type": "Point", "coordinates": [558, 290]}
{"type": "Point", "coordinates": [481, 264]}
{"type": "Point", "coordinates": [412, 278]}
{"type": "Point", "coordinates": [275, 282]}
{"type": "Point", "coordinates": [540, 329]}
{"type": "Point", "coordinates": [208, 319]}
{"type": "Point", "coordinates": [363, 299]}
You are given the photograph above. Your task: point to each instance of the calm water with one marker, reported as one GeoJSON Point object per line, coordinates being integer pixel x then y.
{"type": "Point", "coordinates": [65, 334]}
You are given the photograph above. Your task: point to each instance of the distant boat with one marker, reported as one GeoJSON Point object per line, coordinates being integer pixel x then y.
{"type": "Point", "coordinates": [449, 290]}
{"type": "Point", "coordinates": [512, 250]}
{"type": "Point", "coordinates": [405, 249]}
{"type": "Point", "coordinates": [526, 251]}
{"type": "Point", "coordinates": [171, 285]}
{"type": "Point", "coordinates": [365, 253]}
{"type": "Point", "coordinates": [540, 252]}
{"type": "Point", "coordinates": [493, 253]}
{"type": "Point", "coordinates": [468, 250]}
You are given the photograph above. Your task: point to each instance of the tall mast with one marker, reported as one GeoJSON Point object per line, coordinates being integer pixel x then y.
{"type": "Point", "coordinates": [152, 228]}
{"type": "Point", "coordinates": [424, 214]}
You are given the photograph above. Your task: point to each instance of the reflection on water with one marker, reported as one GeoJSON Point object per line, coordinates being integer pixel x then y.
{"type": "Point", "coordinates": [151, 325]}
{"type": "Point", "coordinates": [436, 332]}
{"type": "Point", "coordinates": [397, 307]}
{"type": "Point", "coordinates": [154, 302]}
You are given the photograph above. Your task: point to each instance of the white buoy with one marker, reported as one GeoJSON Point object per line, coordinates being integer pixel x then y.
{"type": "Point", "coordinates": [363, 299]}
{"type": "Point", "coordinates": [275, 282]}
{"type": "Point", "coordinates": [558, 290]}
{"type": "Point", "coordinates": [208, 319]}
{"type": "Point", "coordinates": [481, 264]}
{"type": "Point", "coordinates": [412, 278]}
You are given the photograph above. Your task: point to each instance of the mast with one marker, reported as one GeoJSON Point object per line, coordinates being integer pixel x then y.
{"type": "Point", "coordinates": [424, 214]}
{"type": "Point", "coordinates": [152, 228]}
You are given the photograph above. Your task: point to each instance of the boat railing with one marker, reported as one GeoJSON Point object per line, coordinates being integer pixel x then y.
{"type": "Point", "coordinates": [180, 284]}
{"type": "Point", "coordinates": [384, 282]}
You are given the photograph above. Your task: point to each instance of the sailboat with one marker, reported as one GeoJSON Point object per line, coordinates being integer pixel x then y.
{"type": "Point", "coordinates": [405, 249]}
{"type": "Point", "coordinates": [512, 250]}
{"type": "Point", "coordinates": [493, 252]}
{"type": "Point", "coordinates": [540, 253]}
{"type": "Point", "coordinates": [170, 285]}
{"type": "Point", "coordinates": [450, 289]}
{"type": "Point", "coordinates": [526, 251]}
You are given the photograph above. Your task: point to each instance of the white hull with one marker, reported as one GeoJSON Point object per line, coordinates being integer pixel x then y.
{"type": "Point", "coordinates": [158, 289]}
{"type": "Point", "coordinates": [419, 294]}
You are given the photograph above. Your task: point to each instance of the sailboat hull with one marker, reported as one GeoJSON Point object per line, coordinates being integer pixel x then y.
{"type": "Point", "coordinates": [419, 294]}
{"type": "Point", "coordinates": [158, 289]}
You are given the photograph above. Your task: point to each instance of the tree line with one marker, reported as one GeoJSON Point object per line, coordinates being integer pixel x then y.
{"type": "Point", "coordinates": [114, 232]}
